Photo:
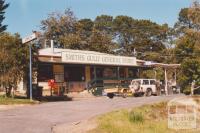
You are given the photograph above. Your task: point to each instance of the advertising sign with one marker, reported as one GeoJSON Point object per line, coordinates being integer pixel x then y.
{"type": "Point", "coordinates": [101, 59]}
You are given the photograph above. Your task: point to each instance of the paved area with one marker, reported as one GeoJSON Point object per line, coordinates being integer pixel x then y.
{"type": "Point", "coordinates": [42, 118]}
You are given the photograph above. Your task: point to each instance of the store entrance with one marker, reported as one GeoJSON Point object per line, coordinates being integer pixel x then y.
{"type": "Point", "coordinates": [75, 78]}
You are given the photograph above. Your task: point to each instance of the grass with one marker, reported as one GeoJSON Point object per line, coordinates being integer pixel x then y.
{"type": "Point", "coordinates": [136, 117]}
{"type": "Point", "coordinates": [17, 100]}
{"type": "Point", "coordinates": [145, 119]}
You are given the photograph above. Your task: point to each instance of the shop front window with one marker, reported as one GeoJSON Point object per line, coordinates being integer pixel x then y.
{"type": "Point", "coordinates": [74, 73]}
{"type": "Point", "coordinates": [122, 73]}
{"type": "Point", "coordinates": [132, 73]}
{"type": "Point", "coordinates": [45, 72]}
{"type": "Point", "coordinates": [110, 73]}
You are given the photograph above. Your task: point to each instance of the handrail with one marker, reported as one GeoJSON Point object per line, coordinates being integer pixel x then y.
{"type": "Point", "coordinates": [95, 83]}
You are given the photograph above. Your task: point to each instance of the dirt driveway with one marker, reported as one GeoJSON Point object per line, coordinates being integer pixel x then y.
{"type": "Point", "coordinates": [44, 117]}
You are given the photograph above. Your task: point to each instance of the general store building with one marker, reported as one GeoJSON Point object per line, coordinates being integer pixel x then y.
{"type": "Point", "coordinates": [77, 70]}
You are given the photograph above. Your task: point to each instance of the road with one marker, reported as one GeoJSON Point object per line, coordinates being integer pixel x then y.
{"type": "Point", "coordinates": [41, 118]}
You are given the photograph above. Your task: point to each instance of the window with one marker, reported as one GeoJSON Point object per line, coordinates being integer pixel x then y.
{"type": "Point", "coordinates": [122, 73]}
{"type": "Point", "coordinates": [152, 82]}
{"type": "Point", "coordinates": [132, 73]}
{"type": "Point", "coordinates": [145, 82]}
{"type": "Point", "coordinates": [74, 73]}
{"type": "Point", "coordinates": [59, 78]}
{"type": "Point", "coordinates": [45, 72]}
{"type": "Point", "coordinates": [110, 73]}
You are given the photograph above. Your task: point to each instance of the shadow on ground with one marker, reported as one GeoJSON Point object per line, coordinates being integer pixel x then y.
{"type": "Point", "coordinates": [48, 98]}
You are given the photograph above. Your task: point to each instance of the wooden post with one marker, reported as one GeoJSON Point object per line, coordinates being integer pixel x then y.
{"type": "Point", "coordinates": [51, 90]}
{"type": "Point", "coordinates": [155, 74]}
{"type": "Point", "coordinates": [118, 76]}
{"type": "Point", "coordinates": [192, 87]}
{"type": "Point", "coordinates": [166, 85]}
{"type": "Point", "coordinates": [95, 75]}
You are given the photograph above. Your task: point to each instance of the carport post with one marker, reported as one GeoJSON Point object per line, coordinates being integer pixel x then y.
{"type": "Point", "coordinates": [118, 76]}
{"type": "Point", "coordinates": [95, 75]}
{"type": "Point", "coordinates": [155, 74]}
{"type": "Point", "coordinates": [118, 73]}
{"type": "Point", "coordinates": [166, 86]}
{"type": "Point", "coordinates": [175, 74]}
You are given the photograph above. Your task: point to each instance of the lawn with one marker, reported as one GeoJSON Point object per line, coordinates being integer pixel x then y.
{"type": "Point", "coordinates": [17, 100]}
{"type": "Point", "coordinates": [144, 119]}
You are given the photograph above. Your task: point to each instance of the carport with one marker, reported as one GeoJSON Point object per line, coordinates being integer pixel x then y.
{"type": "Point", "coordinates": [166, 68]}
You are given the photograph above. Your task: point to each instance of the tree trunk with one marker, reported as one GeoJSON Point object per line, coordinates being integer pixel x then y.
{"type": "Point", "coordinates": [8, 91]}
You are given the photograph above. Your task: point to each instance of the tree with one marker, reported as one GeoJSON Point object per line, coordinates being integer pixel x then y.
{"type": "Point", "coordinates": [85, 28]}
{"type": "Point", "coordinates": [123, 27]}
{"type": "Point", "coordinates": [190, 69]}
{"type": "Point", "coordinates": [3, 7]}
{"type": "Point", "coordinates": [104, 24]}
{"type": "Point", "coordinates": [58, 25]}
{"type": "Point", "coordinates": [121, 32]}
{"type": "Point", "coordinates": [13, 61]}
{"type": "Point", "coordinates": [194, 14]}
{"type": "Point", "coordinates": [187, 48]}
{"type": "Point", "coordinates": [142, 36]}
{"type": "Point", "coordinates": [183, 23]}
{"type": "Point", "coordinates": [100, 42]}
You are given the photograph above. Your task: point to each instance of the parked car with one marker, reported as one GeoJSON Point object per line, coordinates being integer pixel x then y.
{"type": "Point", "coordinates": [146, 87]}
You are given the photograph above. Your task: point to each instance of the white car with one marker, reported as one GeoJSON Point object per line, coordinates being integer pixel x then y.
{"type": "Point", "coordinates": [143, 86]}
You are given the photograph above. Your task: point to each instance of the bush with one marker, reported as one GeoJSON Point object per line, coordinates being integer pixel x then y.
{"type": "Point", "coordinates": [187, 91]}
{"type": "Point", "coordinates": [136, 117]}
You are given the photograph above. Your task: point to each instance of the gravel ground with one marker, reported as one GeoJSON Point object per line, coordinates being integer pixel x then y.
{"type": "Point", "coordinates": [58, 116]}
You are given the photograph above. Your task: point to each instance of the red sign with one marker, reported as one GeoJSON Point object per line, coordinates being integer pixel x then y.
{"type": "Point", "coordinates": [51, 83]}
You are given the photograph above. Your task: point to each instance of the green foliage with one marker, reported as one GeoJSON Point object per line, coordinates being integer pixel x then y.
{"type": "Point", "coordinates": [187, 47]}
{"type": "Point", "coordinates": [58, 24]}
{"type": "Point", "coordinates": [99, 42]}
{"type": "Point", "coordinates": [13, 101]}
{"type": "Point", "coordinates": [104, 24]}
{"type": "Point", "coordinates": [13, 60]}
{"type": "Point", "coordinates": [3, 7]}
{"type": "Point", "coordinates": [136, 117]}
{"type": "Point", "coordinates": [190, 69]}
{"type": "Point", "coordinates": [85, 29]}
{"type": "Point", "coordinates": [153, 120]}
{"type": "Point", "coordinates": [194, 13]}
{"type": "Point", "coordinates": [157, 73]}
{"type": "Point", "coordinates": [105, 34]}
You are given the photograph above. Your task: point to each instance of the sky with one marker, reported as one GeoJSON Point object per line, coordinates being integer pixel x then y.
{"type": "Point", "coordinates": [24, 16]}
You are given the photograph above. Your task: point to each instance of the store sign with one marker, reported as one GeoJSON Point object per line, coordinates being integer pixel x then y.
{"type": "Point", "coordinates": [100, 59]}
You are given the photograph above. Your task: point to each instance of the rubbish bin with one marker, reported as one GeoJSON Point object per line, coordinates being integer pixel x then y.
{"type": "Point", "coordinates": [36, 91]}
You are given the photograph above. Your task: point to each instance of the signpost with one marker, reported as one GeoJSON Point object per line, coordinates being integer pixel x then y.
{"type": "Point", "coordinates": [24, 41]}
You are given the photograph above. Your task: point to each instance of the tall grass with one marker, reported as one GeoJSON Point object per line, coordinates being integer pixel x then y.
{"type": "Point", "coordinates": [136, 117]}
{"type": "Point", "coordinates": [145, 119]}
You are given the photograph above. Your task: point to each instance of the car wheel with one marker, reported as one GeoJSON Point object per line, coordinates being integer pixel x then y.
{"type": "Point", "coordinates": [110, 95]}
{"type": "Point", "coordinates": [124, 95]}
{"type": "Point", "coordinates": [148, 92]}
